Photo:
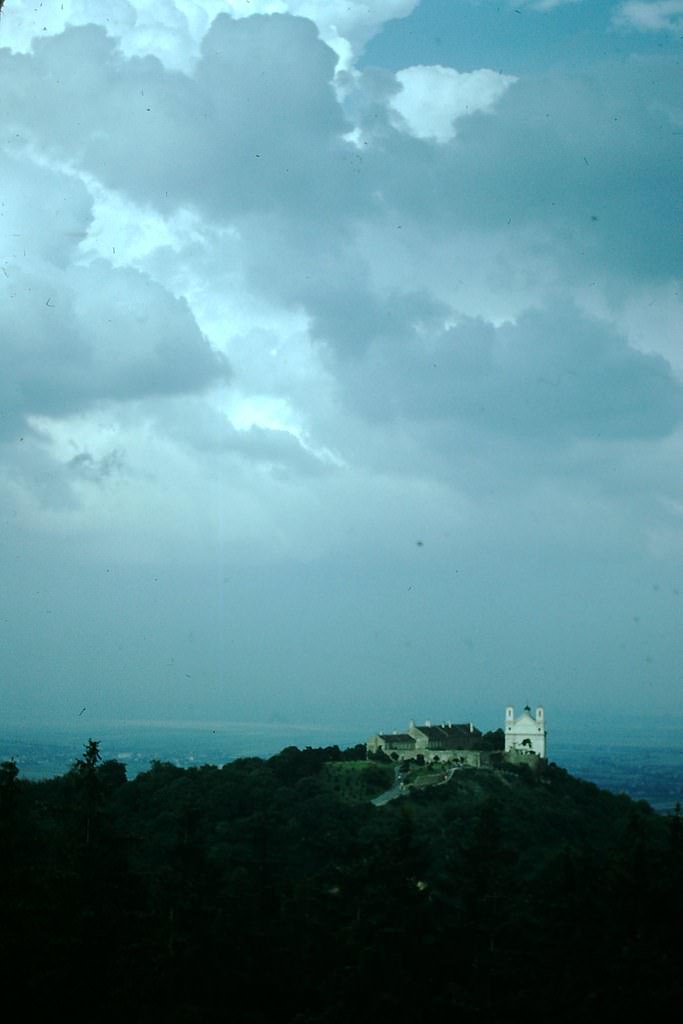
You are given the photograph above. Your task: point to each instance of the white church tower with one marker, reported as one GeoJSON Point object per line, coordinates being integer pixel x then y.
{"type": "Point", "coordinates": [526, 734]}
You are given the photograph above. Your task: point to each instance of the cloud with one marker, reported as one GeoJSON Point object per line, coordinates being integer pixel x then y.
{"type": "Point", "coordinates": [172, 30]}
{"type": "Point", "coordinates": [353, 22]}
{"type": "Point", "coordinates": [657, 16]}
{"type": "Point", "coordinates": [42, 214]}
{"type": "Point", "coordinates": [552, 376]}
{"type": "Point", "coordinates": [532, 5]}
{"type": "Point", "coordinates": [217, 428]}
{"type": "Point", "coordinates": [96, 334]}
{"type": "Point", "coordinates": [88, 467]}
{"type": "Point", "coordinates": [75, 334]}
{"type": "Point", "coordinates": [260, 313]}
{"type": "Point", "coordinates": [244, 140]}
{"type": "Point", "coordinates": [542, 5]}
{"type": "Point", "coordinates": [585, 159]}
{"type": "Point", "coordinates": [258, 125]}
{"type": "Point", "coordinates": [431, 99]}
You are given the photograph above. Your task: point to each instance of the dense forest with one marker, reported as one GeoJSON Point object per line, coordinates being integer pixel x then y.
{"type": "Point", "coordinates": [274, 890]}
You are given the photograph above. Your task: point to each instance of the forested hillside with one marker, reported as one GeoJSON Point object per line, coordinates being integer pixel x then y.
{"type": "Point", "coordinates": [211, 894]}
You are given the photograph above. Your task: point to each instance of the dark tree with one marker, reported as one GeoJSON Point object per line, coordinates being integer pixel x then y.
{"type": "Point", "coordinates": [88, 786]}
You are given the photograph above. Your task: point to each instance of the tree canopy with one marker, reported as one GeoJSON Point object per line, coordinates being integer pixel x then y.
{"type": "Point", "coordinates": [184, 893]}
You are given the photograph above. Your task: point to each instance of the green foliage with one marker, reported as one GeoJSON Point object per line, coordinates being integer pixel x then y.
{"type": "Point", "coordinates": [9, 774]}
{"type": "Point", "coordinates": [86, 765]}
{"type": "Point", "coordinates": [171, 895]}
{"type": "Point", "coordinates": [358, 781]}
{"type": "Point", "coordinates": [494, 740]}
{"type": "Point", "coordinates": [111, 774]}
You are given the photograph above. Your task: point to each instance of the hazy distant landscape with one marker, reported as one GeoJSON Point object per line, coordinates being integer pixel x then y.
{"type": "Point", "coordinates": [652, 771]}
{"type": "Point", "coordinates": [43, 752]}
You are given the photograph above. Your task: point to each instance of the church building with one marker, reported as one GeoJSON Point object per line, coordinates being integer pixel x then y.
{"type": "Point", "coordinates": [526, 734]}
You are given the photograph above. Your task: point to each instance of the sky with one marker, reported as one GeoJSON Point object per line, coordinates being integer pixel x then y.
{"type": "Point", "coordinates": [341, 360]}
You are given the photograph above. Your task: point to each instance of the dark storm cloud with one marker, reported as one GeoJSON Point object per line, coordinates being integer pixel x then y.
{"type": "Point", "coordinates": [587, 160]}
{"type": "Point", "coordinates": [592, 159]}
{"type": "Point", "coordinates": [89, 467]}
{"type": "Point", "coordinates": [257, 126]}
{"type": "Point", "coordinates": [277, 448]}
{"type": "Point", "coordinates": [580, 169]}
{"type": "Point", "coordinates": [352, 317]}
{"type": "Point", "coordinates": [70, 339]}
{"type": "Point", "coordinates": [555, 374]}
{"type": "Point", "coordinates": [73, 334]}
{"type": "Point", "coordinates": [255, 136]}
{"type": "Point", "coordinates": [205, 429]}
{"type": "Point", "coordinates": [42, 213]}
{"type": "Point", "coordinates": [413, 362]}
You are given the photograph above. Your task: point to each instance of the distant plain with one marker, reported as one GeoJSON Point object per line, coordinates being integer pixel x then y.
{"type": "Point", "coordinates": [643, 759]}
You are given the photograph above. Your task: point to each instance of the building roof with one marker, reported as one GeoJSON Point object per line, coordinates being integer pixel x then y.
{"type": "Point", "coordinates": [449, 735]}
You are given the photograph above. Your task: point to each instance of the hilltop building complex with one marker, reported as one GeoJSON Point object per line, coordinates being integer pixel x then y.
{"type": "Point", "coordinates": [464, 744]}
{"type": "Point", "coordinates": [447, 742]}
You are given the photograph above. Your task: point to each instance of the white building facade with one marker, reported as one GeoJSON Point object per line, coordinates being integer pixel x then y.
{"type": "Point", "coordinates": [525, 734]}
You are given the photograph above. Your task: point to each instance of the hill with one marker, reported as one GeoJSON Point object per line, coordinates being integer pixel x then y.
{"type": "Point", "coordinates": [208, 894]}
